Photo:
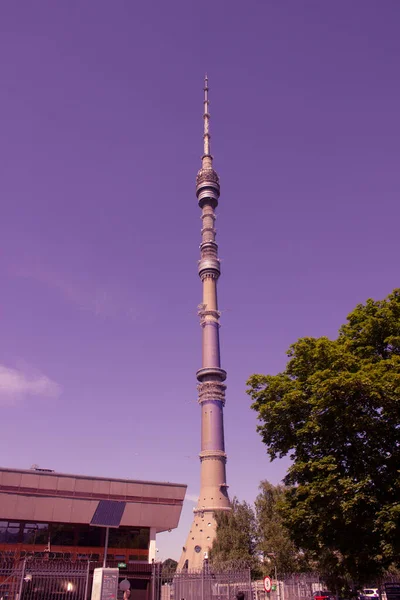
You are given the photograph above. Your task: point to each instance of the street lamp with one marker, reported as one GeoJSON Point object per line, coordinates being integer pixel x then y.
{"type": "Point", "coordinates": [273, 556]}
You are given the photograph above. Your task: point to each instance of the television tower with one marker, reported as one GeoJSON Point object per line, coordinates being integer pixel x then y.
{"type": "Point", "coordinates": [213, 488]}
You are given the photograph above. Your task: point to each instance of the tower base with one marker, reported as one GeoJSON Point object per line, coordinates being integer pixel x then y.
{"type": "Point", "coordinates": [200, 539]}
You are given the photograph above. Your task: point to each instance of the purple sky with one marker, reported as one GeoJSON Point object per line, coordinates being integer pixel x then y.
{"type": "Point", "coordinates": [101, 107]}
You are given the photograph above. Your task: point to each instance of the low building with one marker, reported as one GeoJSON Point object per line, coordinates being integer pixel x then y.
{"type": "Point", "coordinates": [45, 514]}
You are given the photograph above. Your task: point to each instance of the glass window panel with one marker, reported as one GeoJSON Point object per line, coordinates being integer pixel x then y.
{"type": "Point", "coordinates": [95, 557]}
{"type": "Point", "coordinates": [13, 533]}
{"type": "Point", "coordinates": [90, 536]}
{"type": "Point", "coordinates": [133, 558]}
{"type": "Point", "coordinates": [42, 534]}
{"type": "Point", "coordinates": [126, 537]}
{"type": "Point", "coordinates": [62, 534]}
{"type": "Point", "coordinates": [36, 533]}
{"type": "Point", "coordinates": [3, 530]}
{"type": "Point", "coordinates": [29, 534]}
{"type": "Point", "coordinates": [144, 539]}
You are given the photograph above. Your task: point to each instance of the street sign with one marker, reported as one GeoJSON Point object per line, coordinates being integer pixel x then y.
{"type": "Point", "coordinates": [267, 584]}
{"type": "Point", "coordinates": [121, 565]}
{"type": "Point", "coordinates": [105, 584]}
{"type": "Point", "coordinates": [124, 585]}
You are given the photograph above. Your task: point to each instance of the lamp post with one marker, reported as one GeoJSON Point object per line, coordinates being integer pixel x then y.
{"type": "Point", "coordinates": [273, 556]}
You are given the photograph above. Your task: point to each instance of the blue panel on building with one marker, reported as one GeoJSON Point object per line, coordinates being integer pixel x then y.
{"type": "Point", "coordinates": [108, 513]}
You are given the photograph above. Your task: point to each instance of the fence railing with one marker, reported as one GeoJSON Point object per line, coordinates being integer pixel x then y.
{"type": "Point", "coordinates": [38, 579]}
{"type": "Point", "coordinates": [300, 586]}
{"type": "Point", "coordinates": [59, 579]}
{"type": "Point", "coordinates": [205, 584]}
{"type": "Point", "coordinates": [55, 578]}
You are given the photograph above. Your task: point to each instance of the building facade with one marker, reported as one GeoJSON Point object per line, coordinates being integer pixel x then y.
{"type": "Point", "coordinates": [48, 514]}
{"type": "Point", "coordinates": [213, 487]}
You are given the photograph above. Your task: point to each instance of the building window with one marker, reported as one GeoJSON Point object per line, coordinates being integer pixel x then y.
{"type": "Point", "coordinates": [35, 533]}
{"type": "Point", "coordinates": [135, 557]}
{"type": "Point", "coordinates": [90, 536]}
{"type": "Point", "coordinates": [95, 557]}
{"type": "Point", "coordinates": [120, 557]}
{"type": "Point", "coordinates": [62, 534]}
{"type": "Point", "coordinates": [125, 537]}
{"type": "Point", "coordinates": [10, 532]}
{"type": "Point", "coordinates": [3, 530]}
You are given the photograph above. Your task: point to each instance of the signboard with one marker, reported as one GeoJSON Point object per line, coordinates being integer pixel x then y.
{"type": "Point", "coordinates": [267, 584]}
{"type": "Point", "coordinates": [392, 591]}
{"type": "Point", "coordinates": [105, 584]}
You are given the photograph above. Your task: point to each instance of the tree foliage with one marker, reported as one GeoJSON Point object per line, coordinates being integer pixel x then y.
{"type": "Point", "coordinates": [256, 537]}
{"type": "Point", "coordinates": [335, 410]}
{"type": "Point", "coordinates": [169, 565]}
{"type": "Point", "coordinates": [273, 539]}
{"type": "Point", "coordinates": [168, 570]}
{"type": "Point", "coordinates": [235, 542]}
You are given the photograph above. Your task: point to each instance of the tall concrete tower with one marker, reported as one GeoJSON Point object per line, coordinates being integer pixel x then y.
{"type": "Point", "coordinates": [213, 488]}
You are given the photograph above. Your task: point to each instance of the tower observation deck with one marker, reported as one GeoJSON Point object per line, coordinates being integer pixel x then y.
{"type": "Point", "coordinates": [213, 488]}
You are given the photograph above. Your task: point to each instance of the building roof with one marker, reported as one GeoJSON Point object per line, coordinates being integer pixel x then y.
{"type": "Point", "coordinates": [42, 495]}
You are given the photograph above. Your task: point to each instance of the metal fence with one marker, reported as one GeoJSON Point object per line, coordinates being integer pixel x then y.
{"type": "Point", "coordinates": [11, 578]}
{"type": "Point", "coordinates": [33, 578]}
{"type": "Point", "coordinates": [38, 579]}
{"type": "Point", "coordinates": [203, 585]}
{"type": "Point", "coordinates": [54, 576]}
{"type": "Point", "coordinates": [299, 586]}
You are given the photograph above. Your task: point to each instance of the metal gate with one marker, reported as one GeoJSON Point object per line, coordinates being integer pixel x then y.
{"type": "Point", "coordinates": [38, 579]}
{"type": "Point", "coordinates": [301, 586]}
{"type": "Point", "coordinates": [204, 585]}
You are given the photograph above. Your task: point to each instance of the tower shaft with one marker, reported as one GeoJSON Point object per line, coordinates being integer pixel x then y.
{"type": "Point", "coordinates": [213, 488]}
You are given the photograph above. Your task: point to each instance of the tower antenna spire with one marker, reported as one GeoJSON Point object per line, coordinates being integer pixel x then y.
{"type": "Point", "coordinates": [206, 116]}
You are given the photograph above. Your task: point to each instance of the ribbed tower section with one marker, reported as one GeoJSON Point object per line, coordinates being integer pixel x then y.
{"type": "Point", "coordinates": [213, 488]}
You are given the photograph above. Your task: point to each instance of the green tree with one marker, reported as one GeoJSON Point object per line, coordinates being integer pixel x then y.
{"type": "Point", "coordinates": [169, 565]}
{"type": "Point", "coordinates": [335, 411]}
{"type": "Point", "coordinates": [273, 539]}
{"type": "Point", "coordinates": [235, 542]}
{"type": "Point", "coordinates": [168, 570]}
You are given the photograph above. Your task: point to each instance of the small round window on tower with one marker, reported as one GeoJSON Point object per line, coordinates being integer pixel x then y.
{"type": "Point", "coordinates": [197, 549]}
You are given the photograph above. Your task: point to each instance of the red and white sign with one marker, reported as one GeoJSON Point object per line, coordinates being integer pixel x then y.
{"type": "Point", "coordinates": [267, 584]}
